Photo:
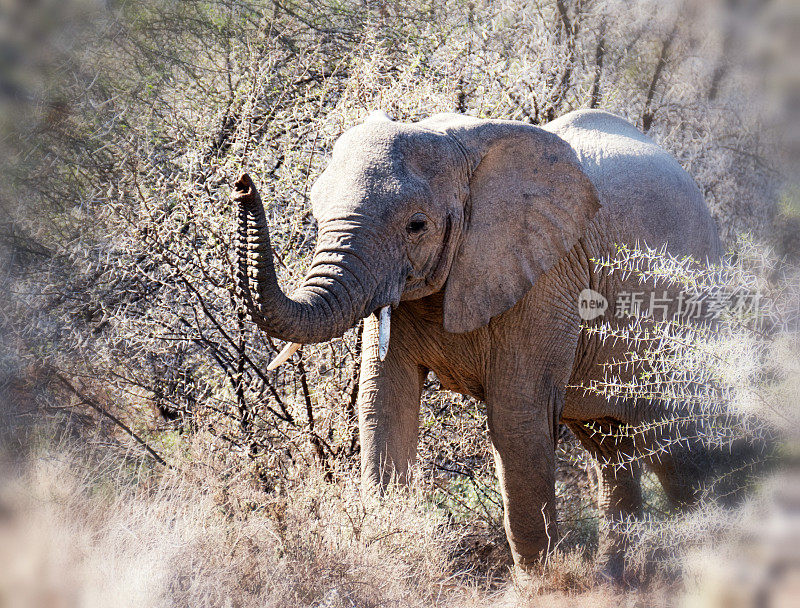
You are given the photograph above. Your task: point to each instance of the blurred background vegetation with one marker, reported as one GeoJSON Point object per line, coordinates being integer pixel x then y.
{"type": "Point", "coordinates": [122, 126]}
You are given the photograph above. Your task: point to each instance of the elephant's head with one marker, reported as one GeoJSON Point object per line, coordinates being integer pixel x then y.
{"type": "Point", "coordinates": [477, 208]}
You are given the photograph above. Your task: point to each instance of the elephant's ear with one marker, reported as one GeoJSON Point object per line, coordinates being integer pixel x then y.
{"type": "Point", "coordinates": [529, 202]}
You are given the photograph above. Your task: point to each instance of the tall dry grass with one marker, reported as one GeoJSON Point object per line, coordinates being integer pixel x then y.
{"type": "Point", "coordinates": [113, 533]}
{"type": "Point", "coordinates": [119, 535]}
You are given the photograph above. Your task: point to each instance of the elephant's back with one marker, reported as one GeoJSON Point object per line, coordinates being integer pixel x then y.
{"type": "Point", "coordinates": [646, 195]}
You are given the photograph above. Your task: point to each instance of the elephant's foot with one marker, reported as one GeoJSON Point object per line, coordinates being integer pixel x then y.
{"type": "Point", "coordinates": [526, 584]}
{"type": "Point", "coordinates": [530, 555]}
{"type": "Point", "coordinates": [610, 558]}
{"type": "Point", "coordinates": [524, 577]}
{"type": "Point", "coordinates": [611, 569]}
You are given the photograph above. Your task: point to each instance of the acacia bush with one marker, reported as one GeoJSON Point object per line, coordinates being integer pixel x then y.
{"type": "Point", "coordinates": [726, 381]}
{"type": "Point", "coordinates": [120, 320]}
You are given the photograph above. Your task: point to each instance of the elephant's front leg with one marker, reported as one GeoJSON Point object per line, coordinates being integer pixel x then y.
{"type": "Point", "coordinates": [388, 408]}
{"type": "Point", "coordinates": [522, 429]}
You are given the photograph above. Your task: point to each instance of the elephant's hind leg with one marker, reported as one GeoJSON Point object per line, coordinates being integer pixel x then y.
{"type": "Point", "coordinates": [675, 454]}
{"type": "Point", "coordinates": [681, 471]}
{"type": "Point", "coordinates": [619, 495]}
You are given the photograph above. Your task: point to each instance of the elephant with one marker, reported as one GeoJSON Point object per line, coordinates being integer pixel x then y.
{"type": "Point", "coordinates": [465, 244]}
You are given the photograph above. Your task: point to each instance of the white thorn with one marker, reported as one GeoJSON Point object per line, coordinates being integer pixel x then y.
{"type": "Point", "coordinates": [284, 355]}
{"type": "Point", "coordinates": [384, 329]}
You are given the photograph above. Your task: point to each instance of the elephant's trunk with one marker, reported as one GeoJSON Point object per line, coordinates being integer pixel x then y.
{"type": "Point", "coordinates": [330, 300]}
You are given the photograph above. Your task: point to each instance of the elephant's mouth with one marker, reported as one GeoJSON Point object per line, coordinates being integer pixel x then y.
{"type": "Point", "coordinates": [381, 306]}
{"type": "Point", "coordinates": [384, 315]}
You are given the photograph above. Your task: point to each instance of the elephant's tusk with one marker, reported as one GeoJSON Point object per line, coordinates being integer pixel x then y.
{"type": "Point", "coordinates": [284, 355]}
{"type": "Point", "coordinates": [384, 328]}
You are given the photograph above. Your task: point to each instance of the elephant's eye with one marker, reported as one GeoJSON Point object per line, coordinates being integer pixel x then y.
{"type": "Point", "coordinates": [417, 224]}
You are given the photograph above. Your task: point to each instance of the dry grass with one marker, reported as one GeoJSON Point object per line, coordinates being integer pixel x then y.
{"type": "Point", "coordinates": [92, 527]}
{"type": "Point", "coordinates": [76, 536]}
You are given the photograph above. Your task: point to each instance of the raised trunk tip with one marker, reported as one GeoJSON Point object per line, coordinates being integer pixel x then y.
{"type": "Point", "coordinates": [244, 189]}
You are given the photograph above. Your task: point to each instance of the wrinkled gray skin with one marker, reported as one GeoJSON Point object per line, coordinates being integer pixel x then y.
{"type": "Point", "coordinates": [481, 235]}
